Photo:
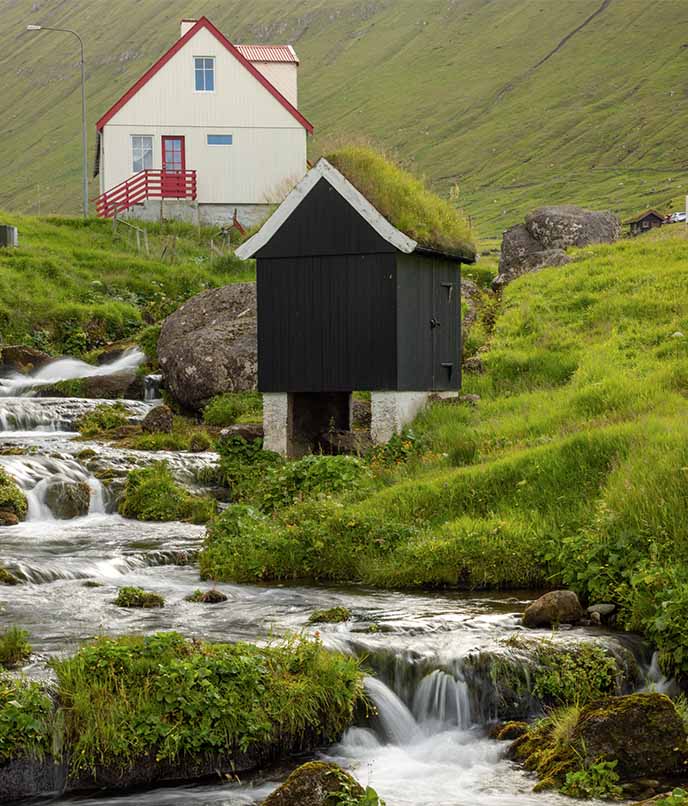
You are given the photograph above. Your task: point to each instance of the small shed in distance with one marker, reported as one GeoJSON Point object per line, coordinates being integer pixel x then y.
{"type": "Point", "coordinates": [346, 302]}
{"type": "Point", "coordinates": [645, 221]}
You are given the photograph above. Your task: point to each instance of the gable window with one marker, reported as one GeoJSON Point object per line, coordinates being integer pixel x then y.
{"type": "Point", "coordinates": [141, 152]}
{"type": "Point", "coordinates": [204, 70]}
{"type": "Point", "coordinates": [219, 139]}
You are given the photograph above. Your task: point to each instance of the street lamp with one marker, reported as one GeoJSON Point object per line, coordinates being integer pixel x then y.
{"type": "Point", "coordinates": [84, 139]}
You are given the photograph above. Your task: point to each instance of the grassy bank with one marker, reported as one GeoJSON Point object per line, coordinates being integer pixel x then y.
{"type": "Point", "coordinates": [572, 468]}
{"type": "Point", "coordinates": [123, 701]}
{"type": "Point", "coordinates": [72, 286]}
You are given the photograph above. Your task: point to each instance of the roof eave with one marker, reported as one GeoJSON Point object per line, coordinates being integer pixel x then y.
{"type": "Point", "coordinates": [464, 256]}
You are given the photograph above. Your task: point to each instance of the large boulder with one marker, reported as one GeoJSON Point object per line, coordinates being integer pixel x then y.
{"type": "Point", "coordinates": [555, 607]}
{"type": "Point", "coordinates": [643, 732]}
{"type": "Point", "coordinates": [546, 234]}
{"type": "Point", "coordinates": [565, 225]}
{"type": "Point", "coordinates": [209, 345]}
{"type": "Point", "coordinates": [315, 784]}
{"type": "Point", "coordinates": [68, 499]}
{"type": "Point", "coordinates": [17, 358]}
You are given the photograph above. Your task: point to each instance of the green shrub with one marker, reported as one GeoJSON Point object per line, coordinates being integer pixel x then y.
{"type": "Point", "coordinates": [224, 410]}
{"type": "Point", "coordinates": [576, 676]}
{"type": "Point", "coordinates": [137, 597]}
{"type": "Point", "coordinates": [12, 499]}
{"type": "Point", "coordinates": [151, 494]}
{"type": "Point", "coordinates": [104, 417]}
{"type": "Point", "coordinates": [200, 442]}
{"type": "Point", "coordinates": [25, 719]}
{"type": "Point", "coordinates": [678, 797]}
{"type": "Point", "coordinates": [148, 342]}
{"type": "Point", "coordinates": [127, 699]}
{"type": "Point", "coordinates": [599, 781]}
{"type": "Point", "coordinates": [334, 615]}
{"type": "Point", "coordinates": [14, 647]}
{"type": "Point", "coordinates": [243, 465]}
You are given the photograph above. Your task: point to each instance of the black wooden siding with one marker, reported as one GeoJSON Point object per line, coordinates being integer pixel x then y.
{"type": "Point", "coordinates": [327, 324]}
{"type": "Point", "coordinates": [340, 309]}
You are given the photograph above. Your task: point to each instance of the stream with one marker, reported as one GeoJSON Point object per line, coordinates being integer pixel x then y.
{"type": "Point", "coordinates": [428, 746]}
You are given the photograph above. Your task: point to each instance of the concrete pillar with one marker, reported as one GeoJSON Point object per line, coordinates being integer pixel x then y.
{"type": "Point", "coordinates": [391, 411]}
{"type": "Point", "coordinates": [276, 422]}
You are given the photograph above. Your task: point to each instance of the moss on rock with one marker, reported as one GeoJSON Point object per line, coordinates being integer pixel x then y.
{"type": "Point", "coordinates": [137, 597]}
{"type": "Point", "coordinates": [642, 734]}
{"type": "Point", "coordinates": [212, 596]}
{"type": "Point", "coordinates": [8, 578]}
{"type": "Point", "coordinates": [13, 503]}
{"type": "Point", "coordinates": [316, 784]}
{"type": "Point", "coordinates": [334, 615]}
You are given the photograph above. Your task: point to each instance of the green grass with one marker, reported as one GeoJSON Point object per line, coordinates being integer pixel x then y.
{"type": "Point", "coordinates": [404, 200]}
{"type": "Point", "coordinates": [571, 469]}
{"type": "Point", "coordinates": [457, 89]}
{"type": "Point", "coordinates": [71, 288]}
{"type": "Point", "coordinates": [125, 698]}
{"type": "Point", "coordinates": [151, 494]}
{"type": "Point", "coordinates": [25, 719]}
{"type": "Point", "coordinates": [14, 647]}
{"type": "Point", "coordinates": [137, 597]}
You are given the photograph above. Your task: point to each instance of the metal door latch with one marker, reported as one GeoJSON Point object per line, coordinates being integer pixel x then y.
{"type": "Point", "coordinates": [434, 323]}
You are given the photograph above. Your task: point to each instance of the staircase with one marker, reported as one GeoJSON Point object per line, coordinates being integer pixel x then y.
{"type": "Point", "coordinates": [149, 184]}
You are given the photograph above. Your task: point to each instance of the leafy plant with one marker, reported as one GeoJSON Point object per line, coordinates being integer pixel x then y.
{"type": "Point", "coordinates": [25, 719]}
{"type": "Point", "coordinates": [576, 676]}
{"type": "Point", "coordinates": [224, 410]}
{"type": "Point", "coordinates": [14, 647]}
{"type": "Point", "coordinates": [151, 494]}
{"type": "Point", "coordinates": [677, 797]}
{"type": "Point", "coordinates": [334, 615]}
{"type": "Point", "coordinates": [599, 780]}
{"type": "Point", "coordinates": [12, 499]}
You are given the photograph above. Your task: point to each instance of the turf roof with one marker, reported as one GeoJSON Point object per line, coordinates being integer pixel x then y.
{"type": "Point", "coordinates": [405, 201]}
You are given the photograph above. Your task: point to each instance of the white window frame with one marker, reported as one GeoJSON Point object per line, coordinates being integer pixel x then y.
{"type": "Point", "coordinates": [204, 92]}
{"type": "Point", "coordinates": [150, 137]}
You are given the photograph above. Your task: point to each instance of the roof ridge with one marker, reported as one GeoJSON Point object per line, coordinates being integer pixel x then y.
{"type": "Point", "coordinates": [203, 22]}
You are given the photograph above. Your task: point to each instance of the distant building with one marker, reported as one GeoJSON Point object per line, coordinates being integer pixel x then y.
{"type": "Point", "coordinates": [645, 221]}
{"type": "Point", "coordinates": [211, 127]}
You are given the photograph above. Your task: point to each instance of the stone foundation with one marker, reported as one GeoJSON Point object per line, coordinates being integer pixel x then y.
{"type": "Point", "coordinates": [293, 423]}
{"type": "Point", "coordinates": [391, 411]}
{"type": "Point", "coordinates": [193, 212]}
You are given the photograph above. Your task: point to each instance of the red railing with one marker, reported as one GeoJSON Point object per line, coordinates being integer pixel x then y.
{"type": "Point", "coordinates": [146, 185]}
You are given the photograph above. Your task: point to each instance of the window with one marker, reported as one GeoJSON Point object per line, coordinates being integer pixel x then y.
{"type": "Point", "coordinates": [204, 68]}
{"type": "Point", "coordinates": [219, 139]}
{"type": "Point", "coordinates": [142, 152]}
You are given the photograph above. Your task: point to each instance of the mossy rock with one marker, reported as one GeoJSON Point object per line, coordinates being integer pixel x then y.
{"type": "Point", "coordinates": [511, 731]}
{"type": "Point", "coordinates": [315, 784]}
{"type": "Point", "coordinates": [211, 596]}
{"type": "Point", "coordinates": [335, 615]}
{"type": "Point", "coordinates": [642, 732]}
{"type": "Point", "coordinates": [8, 578]}
{"type": "Point", "coordinates": [137, 597]}
{"type": "Point", "coordinates": [13, 503]}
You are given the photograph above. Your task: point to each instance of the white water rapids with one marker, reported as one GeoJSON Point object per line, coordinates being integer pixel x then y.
{"type": "Point", "coordinates": [428, 744]}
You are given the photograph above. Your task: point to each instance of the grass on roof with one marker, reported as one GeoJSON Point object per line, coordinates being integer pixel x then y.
{"type": "Point", "coordinates": [405, 201]}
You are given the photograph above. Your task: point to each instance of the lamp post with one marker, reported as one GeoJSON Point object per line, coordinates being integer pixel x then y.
{"type": "Point", "coordinates": [84, 138]}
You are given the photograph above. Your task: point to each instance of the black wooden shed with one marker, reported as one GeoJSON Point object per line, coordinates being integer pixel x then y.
{"type": "Point", "coordinates": [346, 301]}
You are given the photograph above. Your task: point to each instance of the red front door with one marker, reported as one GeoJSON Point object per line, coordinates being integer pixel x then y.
{"type": "Point", "coordinates": [173, 166]}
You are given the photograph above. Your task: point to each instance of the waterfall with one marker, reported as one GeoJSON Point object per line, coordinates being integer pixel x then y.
{"type": "Point", "coordinates": [68, 369]}
{"type": "Point", "coordinates": [151, 385]}
{"type": "Point", "coordinates": [442, 701]}
{"type": "Point", "coordinates": [397, 722]}
{"type": "Point", "coordinates": [54, 415]}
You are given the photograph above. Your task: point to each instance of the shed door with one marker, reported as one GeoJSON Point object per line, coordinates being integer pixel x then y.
{"type": "Point", "coordinates": [445, 326]}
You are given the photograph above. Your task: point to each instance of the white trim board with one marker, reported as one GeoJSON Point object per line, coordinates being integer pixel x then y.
{"type": "Point", "coordinates": [323, 170]}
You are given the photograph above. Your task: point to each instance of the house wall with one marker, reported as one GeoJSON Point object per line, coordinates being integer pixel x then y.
{"type": "Point", "coordinates": [268, 153]}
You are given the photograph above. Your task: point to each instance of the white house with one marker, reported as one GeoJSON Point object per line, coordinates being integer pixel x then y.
{"type": "Point", "coordinates": [210, 128]}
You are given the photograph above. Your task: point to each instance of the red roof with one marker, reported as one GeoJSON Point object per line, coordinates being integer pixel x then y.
{"type": "Point", "coordinates": [235, 51]}
{"type": "Point", "coordinates": [268, 53]}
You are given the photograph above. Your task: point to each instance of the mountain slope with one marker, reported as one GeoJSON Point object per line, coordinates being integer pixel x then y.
{"type": "Point", "coordinates": [519, 102]}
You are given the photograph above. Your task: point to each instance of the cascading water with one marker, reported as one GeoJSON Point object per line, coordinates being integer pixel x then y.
{"type": "Point", "coordinates": [426, 745]}
{"type": "Point", "coordinates": [68, 369]}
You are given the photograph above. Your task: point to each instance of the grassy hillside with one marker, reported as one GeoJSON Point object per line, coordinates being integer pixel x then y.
{"type": "Point", "coordinates": [72, 286]}
{"type": "Point", "coordinates": [519, 102]}
{"type": "Point", "coordinates": [573, 467]}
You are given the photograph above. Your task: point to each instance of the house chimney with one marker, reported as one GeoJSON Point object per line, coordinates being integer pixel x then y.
{"type": "Point", "coordinates": [187, 25]}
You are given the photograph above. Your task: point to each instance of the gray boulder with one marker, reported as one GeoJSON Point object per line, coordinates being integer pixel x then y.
{"type": "Point", "coordinates": [565, 225]}
{"type": "Point", "coordinates": [68, 499]}
{"type": "Point", "coordinates": [209, 346]}
{"type": "Point", "coordinates": [545, 236]}
{"type": "Point", "coordinates": [555, 607]}
{"type": "Point", "coordinates": [159, 420]}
